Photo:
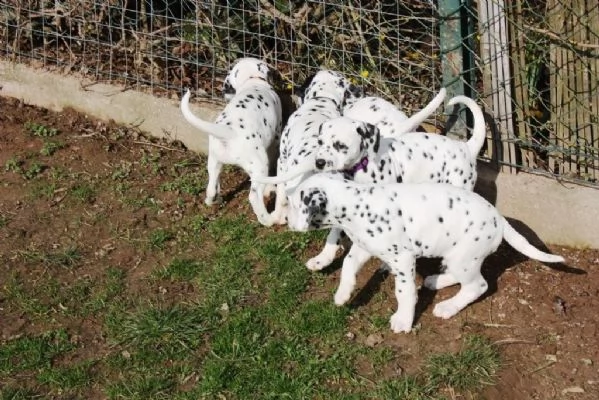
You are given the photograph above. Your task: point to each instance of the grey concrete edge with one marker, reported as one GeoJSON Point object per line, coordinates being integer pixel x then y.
{"type": "Point", "coordinates": [555, 212]}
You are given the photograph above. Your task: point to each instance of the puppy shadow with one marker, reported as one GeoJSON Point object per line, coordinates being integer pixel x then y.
{"type": "Point", "coordinates": [234, 191]}
{"type": "Point", "coordinates": [424, 267]}
{"type": "Point", "coordinates": [506, 257]}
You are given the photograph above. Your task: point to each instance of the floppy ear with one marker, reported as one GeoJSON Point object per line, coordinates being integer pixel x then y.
{"type": "Point", "coordinates": [228, 89]}
{"type": "Point", "coordinates": [355, 91]}
{"type": "Point", "coordinates": [301, 90]}
{"type": "Point", "coordinates": [370, 133]}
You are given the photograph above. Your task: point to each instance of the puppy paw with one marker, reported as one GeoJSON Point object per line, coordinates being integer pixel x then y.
{"type": "Point", "coordinates": [319, 262]}
{"type": "Point", "coordinates": [342, 296]}
{"type": "Point", "coordinates": [211, 200]}
{"type": "Point", "coordinates": [445, 309]}
{"type": "Point", "coordinates": [430, 282]}
{"type": "Point", "coordinates": [400, 323]}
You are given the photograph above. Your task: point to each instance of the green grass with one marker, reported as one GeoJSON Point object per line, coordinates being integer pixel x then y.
{"type": "Point", "coordinates": [40, 130]}
{"type": "Point", "coordinates": [472, 367]}
{"type": "Point", "coordinates": [239, 323]}
{"type": "Point", "coordinates": [50, 147]}
{"type": "Point", "coordinates": [83, 192]}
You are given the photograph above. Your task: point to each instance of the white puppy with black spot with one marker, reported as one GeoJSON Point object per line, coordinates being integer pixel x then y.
{"type": "Point", "coordinates": [398, 223]}
{"type": "Point", "coordinates": [358, 149]}
{"type": "Point", "coordinates": [243, 132]}
{"type": "Point", "coordinates": [323, 99]}
{"type": "Point", "coordinates": [301, 137]}
{"type": "Point", "coordinates": [388, 118]}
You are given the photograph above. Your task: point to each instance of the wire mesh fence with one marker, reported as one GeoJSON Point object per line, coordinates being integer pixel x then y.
{"type": "Point", "coordinates": [533, 63]}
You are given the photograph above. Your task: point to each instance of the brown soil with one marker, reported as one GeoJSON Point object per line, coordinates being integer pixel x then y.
{"type": "Point", "coordinates": [544, 319]}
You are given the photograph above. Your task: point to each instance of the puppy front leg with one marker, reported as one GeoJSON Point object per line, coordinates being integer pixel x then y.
{"type": "Point", "coordinates": [353, 262]}
{"type": "Point", "coordinates": [279, 214]}
{"type": "Point", "coordinates": [257, 202]}
{"type": "Point", "coordinates": [328, 253]}
{"type": "Point", "coordinates": [403, 267]}
{"type": "Point", "coordinates": [213, 188]}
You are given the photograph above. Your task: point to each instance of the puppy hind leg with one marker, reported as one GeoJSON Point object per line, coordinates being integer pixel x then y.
{"type": "Point", "coordinates": [440, 281]}
{"type": "Point", "coordinates": [352, 264]}
{"type": "Point", "coordinates": [214, 168]}
{"type": "Point", "coordinates": [404, 269]}
{"type": "Point", "coordinates": [329, 251]}
{"type": "Point", "coordinates": [473, 285]}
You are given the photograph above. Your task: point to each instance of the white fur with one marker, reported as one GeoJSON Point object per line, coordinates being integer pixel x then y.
{"type": "Point", "coordinates": [398, 223]}
{"type": "Point", "coordinates": [322, 101]}
{"type": "Point", "coordinates": [390, 120]}
{"type": "Point", "coordinates": [412, 158]}
{"type": "Point", "coordinates": [243, 132]}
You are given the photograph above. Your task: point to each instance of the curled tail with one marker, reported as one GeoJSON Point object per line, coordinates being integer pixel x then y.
{"type": "Point", "coordinates": [519, 242]}
{"type": "Point", "coordinates": [475, 143]}
{"type": "Point", "coordinates": [412, 123]}
{"type": "Point", "coordinates": [217, 130]}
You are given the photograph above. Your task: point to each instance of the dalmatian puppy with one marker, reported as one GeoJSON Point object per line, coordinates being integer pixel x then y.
{"type": "Point", "coordinates": [242, 133]}
{"type": "Point", "coordinates": [298, 161]}
{"type": "Point", "coordinates": [390, 120]}
{"type": "Point", "coordinates": [398, 223]}
{"type": "Point", "coordinates": [357, 149]}
{"type": "Point", "coordinates": [323, 98]}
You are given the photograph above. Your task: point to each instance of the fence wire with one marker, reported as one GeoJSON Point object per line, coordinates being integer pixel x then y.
{"type": "Point", "coordinates": [533, 63]}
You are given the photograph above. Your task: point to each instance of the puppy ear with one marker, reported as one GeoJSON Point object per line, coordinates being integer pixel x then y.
{"type": "Point", "coordinates": [374, 132]}
{"type": "Point", "coordinates": [301, 90]}
{"type": "Point", "coordinates": [370, 133]}
{"type": "Point", "coordinates": [228, 89]}
{"type": "Point", "coordinates": [355, 91]}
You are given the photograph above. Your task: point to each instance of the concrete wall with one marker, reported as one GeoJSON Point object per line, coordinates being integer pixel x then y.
{"type": "Point", "coordinates": [557, 213]}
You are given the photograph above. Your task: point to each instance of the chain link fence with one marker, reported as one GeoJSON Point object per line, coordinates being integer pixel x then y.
{"type": "Point", "coordinates": [532, 63]}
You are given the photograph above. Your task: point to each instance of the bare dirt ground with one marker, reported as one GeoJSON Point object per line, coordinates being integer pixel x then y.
{"type": "Point", "coordinates": [544, 319]}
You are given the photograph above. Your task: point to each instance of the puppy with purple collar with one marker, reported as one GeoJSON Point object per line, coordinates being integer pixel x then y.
{"type": "Point", "coordinates": [399, 223]}
{"type": "Point", "coordinates": [358, 149]}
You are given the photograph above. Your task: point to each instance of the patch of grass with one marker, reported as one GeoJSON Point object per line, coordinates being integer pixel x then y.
{"type": "Point", "coordinates": [50, 147]}
{"type": "Point", "coordinates": [14, 165]}
{"type": "Point", "coordinates": [17, 393]}
{"type": "Point", "coordinates": [67, 258]}
{"type": "Point", "coordinates": [33, 352]}
{"type": "Point", "coordinates": [163, 332]}
{"type": "Point", "coordinates": [83, 192]}
{"type": "Point", "coordinates": [192, 183]}
{"type": "Point", "coordinates": [159, 237]}
{"type": "Point", "coordinates": [43, 190]}
{"type": "Point", "coordinates": [40, 130]}
{"type": "Point", "coordinates": [180, 269]}
{"type": "Point", "coordinates": [3, 220]}
{"type": "Point", "coordinates": [33, 171]}
{"type": "Point", "coordinates": [66, 378]}
{"type": "Point", "coordinates": [406, 388]}
{"type": "Point", "coordinates": [471, 368]}
{"type": "Point", "coordinates": [122, 171]}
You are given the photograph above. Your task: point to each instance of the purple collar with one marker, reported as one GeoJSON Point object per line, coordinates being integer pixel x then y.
{"type": "Point", "coordinates": [359, 166]}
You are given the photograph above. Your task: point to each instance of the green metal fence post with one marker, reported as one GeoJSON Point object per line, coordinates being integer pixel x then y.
{"type": "Point", "coordinates": [452, 61]}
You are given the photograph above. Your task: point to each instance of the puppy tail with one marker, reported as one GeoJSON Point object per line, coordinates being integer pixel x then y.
{"type": "Point", "coordinates": [475, 143]}
{"type": "Point", "coordinates": [411, 124]}
{"type": "Point", "coordinates": [217, 130]}
{"type": "Point", "coordinates": [281, 178]}
{"type": "Point", "coordinates": [518, 242]}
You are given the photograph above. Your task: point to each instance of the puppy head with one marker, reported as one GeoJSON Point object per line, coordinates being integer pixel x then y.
{"type": "Point", "coordinates": [307, 209]}
{"type": "Point", "coordinates": [343, 142]}
{"type": "Point", "coordinates": [244, 69]}
{"type": "Point", "coordinates": [329, 84]}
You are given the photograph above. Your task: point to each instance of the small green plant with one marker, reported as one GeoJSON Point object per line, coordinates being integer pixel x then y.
{"type": "Point", "coordinates": [67, 258]}
{"type": "Point", "coordinates": [40, 130]}
{"type": "Point", "coordinates": [50, 148]}
{"type": "Point", "coordinates": [159, 237]}
{"type": "Point", "coordinates": [33, 171]}
{"type": "Point", "coordinates": [14, 165]}
{"type": "Point", "coordinates": [122, 171]}
{"type": "Point", "coordinates": [84, 193]}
